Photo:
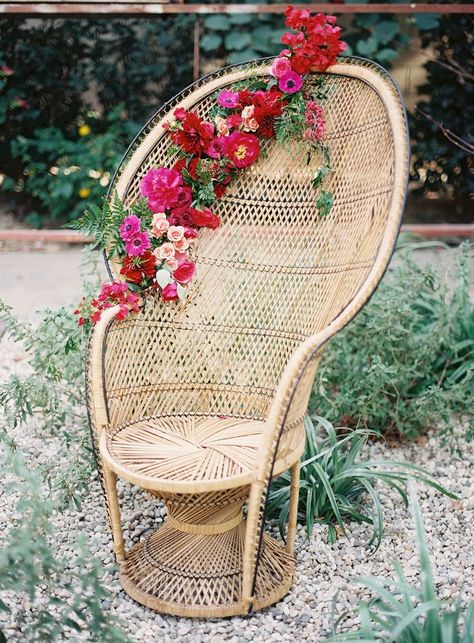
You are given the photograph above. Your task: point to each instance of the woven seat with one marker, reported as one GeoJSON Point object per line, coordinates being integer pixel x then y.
{"type": "Point", "coordinates": [202, 403]}
{"type": "Point", "coordinates": [188, 453]}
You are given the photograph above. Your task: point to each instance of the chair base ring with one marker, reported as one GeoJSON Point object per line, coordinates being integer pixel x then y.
{"type": "Point", "coordinates": [191, 575]}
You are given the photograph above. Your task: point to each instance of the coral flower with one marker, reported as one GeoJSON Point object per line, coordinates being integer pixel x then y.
{"type": "Point", "coordinates": [290, 82]}
{"type": "Point", "coordinates": [228, 99]}
{"type": "Point", "coordinates": [138, 244]}
{"type": "Point", "coordinates": [129, 227]}
{"type": "Point", "coordinates": [243, 149]}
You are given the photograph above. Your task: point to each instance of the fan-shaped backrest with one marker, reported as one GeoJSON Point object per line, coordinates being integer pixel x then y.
{"type": "Point", "coordinates": [275, 272]}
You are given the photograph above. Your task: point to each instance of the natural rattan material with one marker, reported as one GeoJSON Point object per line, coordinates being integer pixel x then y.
{"type": "Point", "coordinates": [203, 403]}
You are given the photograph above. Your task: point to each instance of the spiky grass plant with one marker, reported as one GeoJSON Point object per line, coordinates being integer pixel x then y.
{"type": "Point", "coordinates": [408, 613]}
{"type": "Point", "coordinates": [338, 484]}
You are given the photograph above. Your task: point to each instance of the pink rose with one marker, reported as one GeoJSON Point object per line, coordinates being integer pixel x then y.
{"type": "Point", "coordinates": [280, 66]}
{"type": "Point", "coordinates": [172, 263]}
{"type": "Point", "coordinates": [175, 233]}
{"type": "Point", "coordinates": [165, 251]}
{"type": "Point", "coordinates": [185, 271]}
{"type": "Point", "coordinates": [181, 245]}
{"type": "Point", "coordinates": [159, 225]}
{"type": "Point", "coordinates": [170, 292]}
{"type": "Point", "coordinates": [221, 126]}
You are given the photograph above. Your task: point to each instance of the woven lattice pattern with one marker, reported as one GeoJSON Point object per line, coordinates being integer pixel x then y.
{"type": "Point", "coordinates": [202, 403]}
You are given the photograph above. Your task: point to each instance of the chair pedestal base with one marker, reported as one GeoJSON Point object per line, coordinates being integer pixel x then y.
{"type": "Point", "coordinates": [184, 570]}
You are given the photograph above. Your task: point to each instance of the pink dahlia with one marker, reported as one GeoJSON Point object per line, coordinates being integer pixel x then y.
{"type": "Point", "coordinates": [290, 82]}
{"type": "Point", "coordinates": [228, 99]}
{"type": "Point", "coordinates": [129, 227]}
{"type": "Point", "coordinates": [138, 244]}
{"type": "Point", "coordinates": [161, 185]}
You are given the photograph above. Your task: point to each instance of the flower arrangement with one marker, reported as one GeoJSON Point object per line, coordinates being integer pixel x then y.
{"type": "Point", "coordinates": [154, 239]}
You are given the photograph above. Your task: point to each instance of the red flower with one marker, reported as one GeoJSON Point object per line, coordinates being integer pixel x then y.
{"type": "Point", "coordinates": [182, 216]}
{"type": "Point", "coordinates": [268, 106]}
{"type": "Point", "coordinates": [234, 120]}
{"type": "Point", "coordinates": [194, 134]}
{"type": "Point", "coordinates": [170, 292]}
{"type": "Point", "coordinates": [137, 269]}
{"type": "Point", "coordinates": [185, 271]}
{"type": "Point", "coordinates": [206, 219]}
{"type": "Point", "coordinates": [243, 149]}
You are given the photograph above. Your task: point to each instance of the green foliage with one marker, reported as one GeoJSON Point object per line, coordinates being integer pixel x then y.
{"type": "Point", "coordinates": [64, 73]}
{"type": "Point", "coordinates": [336, 481]}
{"type": "Point", "coordinates": [443, 161]}
{"type": "Point", "coordinates": [52, 393]}
{"type": "Point", "coordinates": [407, 361]}
{"type": "Point", "coordinates": [400, 612]}
{"type": "Point", "coordinates": [63, 175]}
{"type": "Point", "coordinates": [31, 568]}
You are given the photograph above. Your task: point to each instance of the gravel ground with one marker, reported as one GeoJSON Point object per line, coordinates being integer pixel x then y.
{"type": "Point", "coordinates": [323, 570]}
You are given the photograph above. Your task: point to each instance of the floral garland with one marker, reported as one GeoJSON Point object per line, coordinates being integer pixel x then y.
{"type": "Point", "coordinates": [154, 239]}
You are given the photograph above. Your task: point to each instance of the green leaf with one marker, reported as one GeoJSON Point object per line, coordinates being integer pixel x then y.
{"type": "Point", "coordinates": [163, 277]}
{"type": "Point", "coordinates": [211, 42]}
{"type": "Point", "coordinates": [241, 18]}
{"type": "Point", "coordinates": [385, 30]}
{"type": "Point", "coordinates": [243, 56]}
{"type": "Point", "coordinates": [386, 55]}
{"type": "Point", "coordinates": [367, 47]}
{"type": "Point", "coordinates": [426, 21]}
{"type": "Point", "coordinates": [182, 292]}
{"type": "Point", "coordinates": [217, 23]}
{"type": "Point", "coordinates": [236, 41]}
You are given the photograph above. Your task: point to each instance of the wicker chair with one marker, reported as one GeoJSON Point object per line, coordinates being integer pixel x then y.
{"type": "Point", "coordinates": [202, 403]}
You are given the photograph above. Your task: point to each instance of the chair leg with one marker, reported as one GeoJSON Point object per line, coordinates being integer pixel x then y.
{"type": "Point", "coordinates": [110, 483]}
{"type": "Point", "coordinates": [293, 510]}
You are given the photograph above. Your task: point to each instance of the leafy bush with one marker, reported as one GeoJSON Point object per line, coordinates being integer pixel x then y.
{"type": "Point", "coordinates": [31, 568]}
{"type": "Point", "coordinates": [47, 92]}
{"type": "Point", "coordinates": [408, 613]}
{"type": "Point", "coordinates": [335, 482]}
{"type": "Point", "coordinates": [63, 175]}
{"type": "Point", "coordinates": [407, 361]}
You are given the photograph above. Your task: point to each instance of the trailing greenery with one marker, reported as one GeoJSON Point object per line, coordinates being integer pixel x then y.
{"type": "Point", "coordinates": [406, 363]}
{"type": "Point", "coordinates": [409, 613]}
{"type": "Point", "coordinates": [31, 569]}
{"type": "Point", "coordinates": [335, 482]}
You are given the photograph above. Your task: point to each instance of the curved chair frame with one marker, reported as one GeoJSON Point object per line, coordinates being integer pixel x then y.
{"type": "Point", "coordinates": [292, 391]}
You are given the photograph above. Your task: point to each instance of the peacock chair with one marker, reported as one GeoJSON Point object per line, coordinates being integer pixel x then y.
{"type": "Point", "coordinates": [202, 403]}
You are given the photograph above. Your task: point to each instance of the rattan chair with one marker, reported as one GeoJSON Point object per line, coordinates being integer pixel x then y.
{"type": "Point", "coordinates": [202, 403]}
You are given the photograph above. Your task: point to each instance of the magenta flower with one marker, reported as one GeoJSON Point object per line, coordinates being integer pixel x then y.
{"type": "Point", "coordinates": [290, 82]}
{"type": "Point", "coordinates": [228, 99]}
{"type": "Point", "coordinates": [129, 227]}
{"type": "Point", "coordinates": [217, 147]}
{"type": "Point", "coordinates": [138, 244]}
{"type": "Point", "coordinates": [161, 185]}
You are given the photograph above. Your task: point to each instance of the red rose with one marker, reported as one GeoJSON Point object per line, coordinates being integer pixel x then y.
{"type": "Point", "coordinates": [206, 219]}
{"type": "Point", "coordinates": [243, 149]}
{"type": "Point", "coordinates": [182, 216]}
{"type": "Point", "coordinates": [185, 271]}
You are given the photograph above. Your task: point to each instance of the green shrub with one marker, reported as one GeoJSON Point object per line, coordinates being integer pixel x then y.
{"type": "Point", "coordinates": [336, 482]}
{"type": "Point", "coordinates": [31, 568]}
{"type": "Point", "coordinates": [64, 175]}
{"type": "Point", "coordinates": [409, 613]}
{"type": "Point", "coordinates": [406, 362]}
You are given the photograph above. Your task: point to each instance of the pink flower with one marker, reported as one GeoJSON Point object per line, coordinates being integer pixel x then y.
{"type": "Point", "coordinates": [181, 245]}
{"type": "Point", "coordinates": [184, 197]}
{"type": "Point", "coordinates": [290, 82]}
{"type": "Point", "coordinates": [172, 263]}
{"type": "Point", "coordinates": [234, 120]}
{"type": "Point", "coordinates": [217, 147]}
{"type": "Point", "coordinates": [228, 99]}
{"type": "Point", "coordinates": [161, 185]}
{"type": "Point", "coordinates": [175, 233]}
{"type": "Point", "coordinates": [138, 244]}
{"type": "Point", "coordinates": [185, 271]}
{"type": "Point", "coordinates": [221, 126]}
{"type": "Point", "coordinates": [180, 113]}
{"type": "Point", "coordinates": [165, 251]}
{"type": "Point", "coordinates": [129, 227]}
{"type": "Point", "coordinates": [280, 66]}
{"type": "Point", "coordinates": [190, 234]}
{"type": "Point", "coordinates": [170, 292]}
{"type": "Point", "coordinates": [159, 225]}
{"type": "Point", "coordinates": [243, 149]}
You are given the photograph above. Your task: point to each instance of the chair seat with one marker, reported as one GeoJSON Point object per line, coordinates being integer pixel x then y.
{"type": "Point", "coordinates": [185, 453]}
